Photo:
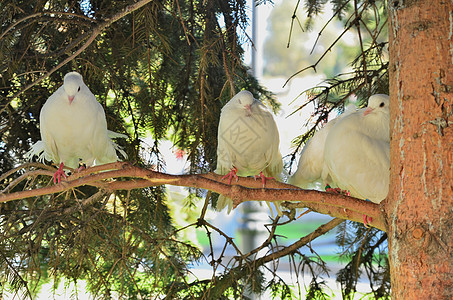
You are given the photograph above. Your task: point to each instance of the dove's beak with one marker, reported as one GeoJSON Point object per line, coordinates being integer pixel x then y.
{"type": "Point", "coordinates": [248, 107]}
{"type": "Point", "coordinates": [368, 111]}
{"type": "Point", "coordinates": [70, 98]}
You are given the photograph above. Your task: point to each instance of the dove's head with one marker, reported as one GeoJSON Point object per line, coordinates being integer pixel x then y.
{"type": "Point", "coordinates": [377, 104]}
{"type": "Point", "coordinates": [378, 117]}
{"type": "Point", "coordinates": [73, 82]}
{"type": "Point", "coordinates": [244, 99]}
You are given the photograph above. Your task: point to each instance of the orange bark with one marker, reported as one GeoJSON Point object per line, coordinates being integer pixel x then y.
{"type": "Point", "coordinates": [419, 206]}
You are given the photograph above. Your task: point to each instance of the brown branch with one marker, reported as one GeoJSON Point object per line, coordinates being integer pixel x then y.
{"type": "Point", "coordinates": [323, 229]}
{"type": "Point", "coordinates": [313, 66]}
{"type": "Point", "coordinates": [24, 166]}
{"type": "Point", "coordinates": [182, 22]}
{"type": "Point", "coordinates": [27, 175]}
{"type": "Point", "coordinates": [342, 212]}
{"type": "Point", "coordinates": [325, 25]}
{"type": "Point", "coordinates": [246, 189]}
{"type": "Point", "coordinates": [51, 14]}
{"type": "Point", "coordinates": [359, 34]}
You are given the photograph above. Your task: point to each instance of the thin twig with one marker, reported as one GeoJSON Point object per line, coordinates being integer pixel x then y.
{"type": "Point", "coordinates": [292, 23]}
{"type": "Point", "coordinates": [39, 14]}
{"type": "Point", "coordinates": [325, 26]}
{"type": "Point", "coordinates": [321, 230]}
{"type": "Point", "coordinates": [95, 32]}
{"type": "Point", "coordinates": [313, 66]}
{"type": "Point", "coordinates": [19, 179]}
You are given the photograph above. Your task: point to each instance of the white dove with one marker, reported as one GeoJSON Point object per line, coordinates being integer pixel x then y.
{"type": "Point", "coordinates": [352, 152]}
{"type": "Point", "coordinates": [74, 129]}
{"type": "Point", "coordinates": [311, 162]}
{"type": "Point", "coordinates": [248, 142]}
{"type": "Point", "coordinates": [357, 151]}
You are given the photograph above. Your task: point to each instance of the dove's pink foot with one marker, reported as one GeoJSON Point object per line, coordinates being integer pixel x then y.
{"type": "Point", "coordinates": [58, 174]}
{"type": "Point", "coordinates": [80, 168]}
{"type": "Point", "coordinates": [263, 178]}
{"type": "Point", "coordinates": [337, 191]}
{"type": "Point", "coordinates": [231, 174]}
{"type": "Point", "coordinates": [367, 221]}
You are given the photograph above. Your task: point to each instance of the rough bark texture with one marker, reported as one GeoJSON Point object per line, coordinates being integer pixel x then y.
{"type": "Point", "coordinates": [419, 208]}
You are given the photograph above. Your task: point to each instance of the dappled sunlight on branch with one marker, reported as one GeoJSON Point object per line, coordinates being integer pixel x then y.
{"type": "Point", "coordinates": [125, 176]}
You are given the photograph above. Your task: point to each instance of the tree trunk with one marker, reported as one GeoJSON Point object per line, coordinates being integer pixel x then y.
{"type": "Point", "coordinates": [419, 209]}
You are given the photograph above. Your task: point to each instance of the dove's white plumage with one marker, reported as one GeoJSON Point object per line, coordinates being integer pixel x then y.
{"type": "Point", "coordinates": [248, 140]}
{"type": "Point", "coordinates": [357, 151]}
{"type": "Point", "coordinates": [73, 127]}
{"type": "Point", "coordinates": [311, 161]}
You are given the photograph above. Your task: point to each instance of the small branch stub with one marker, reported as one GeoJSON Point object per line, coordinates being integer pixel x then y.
{"type": "Point", "coordinates": [417, 233]}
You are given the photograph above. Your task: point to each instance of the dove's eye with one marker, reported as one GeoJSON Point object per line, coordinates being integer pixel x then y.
{"type": "Point", "coordinates": [382, 104]}
{"type": "Point", "coordinates": [239, 100]}
{"type": "Point", "coordinates": [78, 90]}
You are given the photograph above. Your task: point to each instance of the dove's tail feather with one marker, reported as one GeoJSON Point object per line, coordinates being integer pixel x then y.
{"type": "Point", "coordinates": [299, 181]}
{"type": "Point", "coordinates": [113, 135]}
{"type": "Point", "coordinates": [119, 149]}
{"type": "Point", "coordinates": [39, 150]}
{"type": "Point", "coordinates": [223, 202]}
{"type": "Point", "coordinates": [278, 208]}
{"type": "Point", "coordinates": [279, 174]}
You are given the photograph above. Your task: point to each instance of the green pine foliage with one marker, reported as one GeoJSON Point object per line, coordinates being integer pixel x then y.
{"type": "Point", "coordinates": [365, 251]}
{"type": "Point", "coordinates": [369, 69]}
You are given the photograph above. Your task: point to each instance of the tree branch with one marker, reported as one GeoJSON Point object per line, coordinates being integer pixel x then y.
{"type": "Point", "coordinates": [51, 14]}
{"type": "Point", "coordinates": [293, 248]}
{"type": "Point", "coordinates": [301, 242]}
{"type": "Point", "coordinates": [246, 189]}
{"type": "Point", "coordinates": [358, 16]}
{"type": "Point", "coordinates": [96, 31]}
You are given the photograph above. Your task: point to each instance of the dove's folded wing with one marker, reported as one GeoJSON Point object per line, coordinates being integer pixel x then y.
{"type": "Point", "coordinates": [357, 151]}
